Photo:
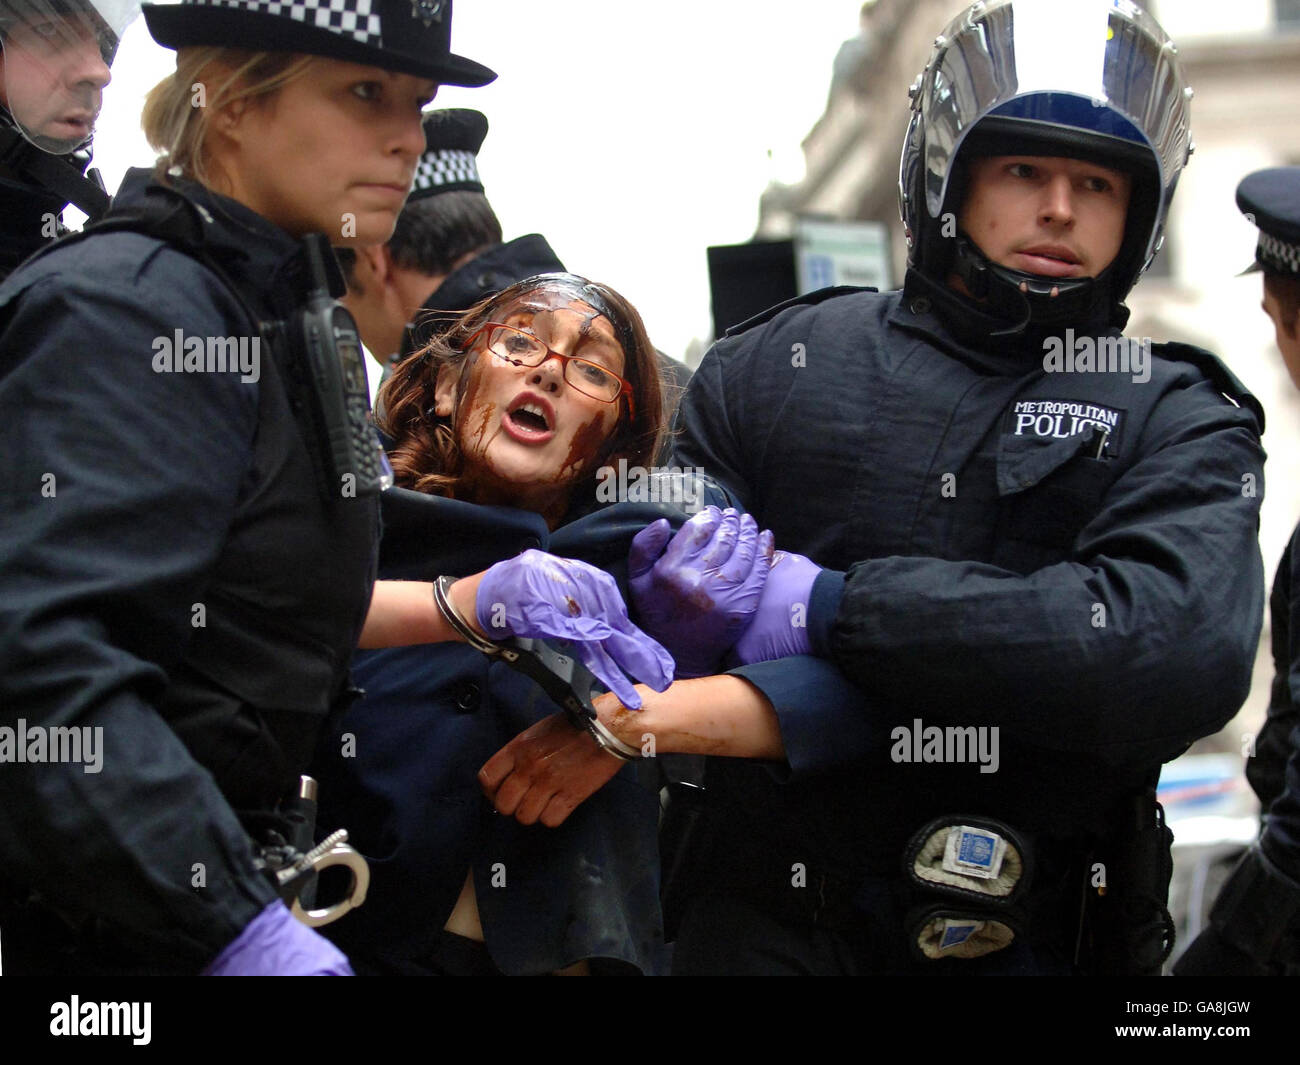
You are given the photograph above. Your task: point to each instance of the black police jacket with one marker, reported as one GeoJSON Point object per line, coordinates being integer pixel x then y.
{"type": "Point", "coordinates": [172, 585]}
{"type": "Point", "coordinates": [29, 220]}
{"type": "Point", "coordinates": [1274, 770]}
{"type": "Point", "coordinates": [1069, 558]}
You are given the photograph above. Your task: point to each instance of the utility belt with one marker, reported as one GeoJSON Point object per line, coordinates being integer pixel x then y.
{"type": "Point", "coordinates": [968, 886]}
{"type": "Point", "coordinates": [42, 938]}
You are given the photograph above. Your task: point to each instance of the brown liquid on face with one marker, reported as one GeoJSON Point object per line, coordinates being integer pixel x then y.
{"type": "Point", "coordinates": [475, 423]}
{"type": "Point", "coordinates": [584, 446]}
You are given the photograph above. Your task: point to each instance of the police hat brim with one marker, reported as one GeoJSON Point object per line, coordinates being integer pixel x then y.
{"type": "Point", "coordinates": [182, 26]}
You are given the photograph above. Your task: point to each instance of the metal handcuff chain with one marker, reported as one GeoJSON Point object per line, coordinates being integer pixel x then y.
{"type": "Point", "coordinates": [567, 681]}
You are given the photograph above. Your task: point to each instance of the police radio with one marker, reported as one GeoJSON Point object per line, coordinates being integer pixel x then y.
{"type": "Point", "coordinates": [328, 349]}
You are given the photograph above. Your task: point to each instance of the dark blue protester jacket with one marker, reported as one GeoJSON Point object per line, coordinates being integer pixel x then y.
{"type": "Point", "coordinates": [401, 772]}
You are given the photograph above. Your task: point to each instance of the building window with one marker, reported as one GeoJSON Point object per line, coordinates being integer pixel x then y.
{"type": "Point", "coordinates": [1288, 14]}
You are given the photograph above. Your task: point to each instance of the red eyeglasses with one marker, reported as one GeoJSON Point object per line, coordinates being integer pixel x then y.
{"type": "Point", "coordinates": [523, 349]}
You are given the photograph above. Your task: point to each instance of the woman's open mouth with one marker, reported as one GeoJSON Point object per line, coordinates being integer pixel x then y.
{"type": "Point", "coordinates": [529, 419]}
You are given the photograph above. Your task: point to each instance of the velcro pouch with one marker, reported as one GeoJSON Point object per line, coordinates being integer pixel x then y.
{"type": "Point", "coordinates": [966, 877]}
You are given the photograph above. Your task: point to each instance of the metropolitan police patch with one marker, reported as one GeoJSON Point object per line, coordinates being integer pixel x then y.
{"type": "Point", "coordinates": [1057, 419]}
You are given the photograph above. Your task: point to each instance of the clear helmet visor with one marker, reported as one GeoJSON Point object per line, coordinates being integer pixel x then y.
{"type": "Point", "coordinates": [1103, 67]}
{"type": "Point", "coordinates": [54, 65]}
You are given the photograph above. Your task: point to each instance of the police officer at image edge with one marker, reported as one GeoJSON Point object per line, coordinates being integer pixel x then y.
{"type": "Point", "coordinates": [1254, 926]}
{"type": "Point", "coordinates": [976, 607]}
{"type": "Point", "coordinates": [38, 176]}
{"type": "Point", "coordinates": [199, 722]}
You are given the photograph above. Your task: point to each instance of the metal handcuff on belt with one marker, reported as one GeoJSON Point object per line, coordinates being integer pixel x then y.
{"type": "Point", "coordinates": [566, 680]}
{"type": "Point", "coordinates": [293, 864]}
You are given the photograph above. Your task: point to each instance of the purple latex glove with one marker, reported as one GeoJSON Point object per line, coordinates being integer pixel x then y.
{"type": "Point", "coordinates": [780, 628]}
{"type": "Point", "coordinates": [699, 595]}
{"type": "Point", "coordinates": [540, 596]}
{"type": "Point", "coordinates": [275, 943]}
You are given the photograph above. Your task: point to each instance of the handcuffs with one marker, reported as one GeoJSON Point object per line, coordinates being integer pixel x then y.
{"type": "Point", "coordinates": [293, 864]}
{"type": "Point", "coordinates": [566, 680]}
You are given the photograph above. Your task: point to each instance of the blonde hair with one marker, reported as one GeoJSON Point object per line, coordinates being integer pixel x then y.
{"type": "Point", "coordinates": [177, 112]}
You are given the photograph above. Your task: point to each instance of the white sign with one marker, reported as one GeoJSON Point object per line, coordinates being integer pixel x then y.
{"type": "Point", "coordinates": [841, 253]}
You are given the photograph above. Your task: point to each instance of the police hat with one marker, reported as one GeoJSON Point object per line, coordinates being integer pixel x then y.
{"type": "Point", "coordinates": [1271, 199]}
{"type": "Point", "coordinates": [452, 138]}
{"type": "Point", "coordinates": [405, 36]}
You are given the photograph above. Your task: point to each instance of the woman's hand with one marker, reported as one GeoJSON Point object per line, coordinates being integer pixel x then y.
{"type": "Point", "coordinates": [699, 594]}
{"type": "Point", "coordinates": [540, 596]}
{"type": "Point", "coordinates": [546, 772]}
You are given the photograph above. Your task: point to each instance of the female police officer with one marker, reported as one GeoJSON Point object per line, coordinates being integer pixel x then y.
{"type": "Point", "coordinates": [181, 583]}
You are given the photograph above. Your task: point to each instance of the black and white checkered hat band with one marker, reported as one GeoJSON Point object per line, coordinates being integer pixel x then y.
{"type": "Point", "coordinates": [450, 166]}
{"type": "Point", "coordinates": [348, 18]}
{"type": "Point", "coordinates": [1278, 255]}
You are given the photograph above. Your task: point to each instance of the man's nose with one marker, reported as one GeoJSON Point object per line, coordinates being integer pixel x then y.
{"type": "Point", "coordinates": [86, 64]}
{"type": "Point", "coordinates": [1058, 200]}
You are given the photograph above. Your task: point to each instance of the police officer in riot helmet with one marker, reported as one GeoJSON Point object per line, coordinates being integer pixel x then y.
{"type": "Point", "coordinates": [1029, 542]}
{"type": "Point", "coordinates": [54, 64]}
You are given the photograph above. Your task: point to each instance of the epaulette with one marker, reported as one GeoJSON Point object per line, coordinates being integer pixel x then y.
{"type": "Point", "coordinates": [1219, 375]}
{"type": "Point", "coordinates": [807, 299]}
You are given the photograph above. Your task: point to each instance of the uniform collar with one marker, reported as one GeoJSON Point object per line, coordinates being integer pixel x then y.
{"type": "Point", "coordinates": [967, 331]}
{"type": "Point", "coordinates": [264, 261]}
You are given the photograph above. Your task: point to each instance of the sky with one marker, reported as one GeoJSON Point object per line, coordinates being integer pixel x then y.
{"type": "Point", "coordinates": [632, 136]}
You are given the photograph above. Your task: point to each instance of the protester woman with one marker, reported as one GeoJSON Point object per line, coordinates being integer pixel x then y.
{"type": "Point", "coordinates": [498, 435]}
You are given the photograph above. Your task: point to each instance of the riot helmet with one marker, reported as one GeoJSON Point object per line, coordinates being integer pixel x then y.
{"type": "Point", "coordinates": [1096, 80]}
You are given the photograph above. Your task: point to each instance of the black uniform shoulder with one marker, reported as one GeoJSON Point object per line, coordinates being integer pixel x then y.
{"type": "Point", "coordinates": [1214, 370]}
{"type": "Point", "coordinates": [808, 299]}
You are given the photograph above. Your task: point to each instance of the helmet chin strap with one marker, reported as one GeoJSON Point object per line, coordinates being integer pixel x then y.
{"type": "Point", "coordinates": [62, 175]}
{"type": "Point", "coordinates": [1027, 299]}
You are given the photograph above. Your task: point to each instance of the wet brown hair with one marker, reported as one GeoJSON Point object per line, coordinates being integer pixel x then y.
{"type": "Point", "coordinates": [426, 456]}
